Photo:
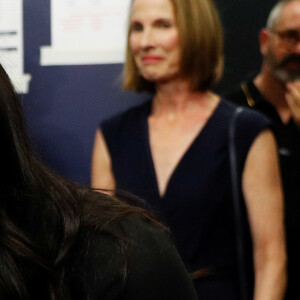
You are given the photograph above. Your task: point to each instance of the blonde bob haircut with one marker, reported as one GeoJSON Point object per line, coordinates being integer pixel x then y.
{"type": "Point", "coordinates": [201, 40]}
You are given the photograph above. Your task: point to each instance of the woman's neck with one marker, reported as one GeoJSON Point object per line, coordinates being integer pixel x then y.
{"type": "Point", "coordinates": [178, 98]}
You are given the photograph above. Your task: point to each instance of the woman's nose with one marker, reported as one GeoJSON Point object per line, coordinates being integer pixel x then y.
{"type": "Point", "coordinates": [147, 39]}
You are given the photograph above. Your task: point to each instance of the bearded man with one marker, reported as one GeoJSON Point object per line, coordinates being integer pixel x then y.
{"type": "Point", "coordinates": [275, 92]}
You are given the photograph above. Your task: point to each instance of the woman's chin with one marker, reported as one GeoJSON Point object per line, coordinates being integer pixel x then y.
{"type": "Point", "coordinates": [153, 77]}
{"type": "Point", "coordinates": [157, 78]}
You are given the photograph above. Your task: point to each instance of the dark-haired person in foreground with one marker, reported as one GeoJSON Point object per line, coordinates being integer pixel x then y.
{"type": "Point", "coordinates": [60, 241]}
{"type": "Point", "coordinates": [275, 91]}
{"type": "Point", "coordinates": [173, 151]}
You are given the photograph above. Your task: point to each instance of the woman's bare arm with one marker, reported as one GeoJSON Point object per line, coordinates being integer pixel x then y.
{"type": "Point", "coordinates": [262, 189]}
{"type": "Point", "coordinates": [102, 175]}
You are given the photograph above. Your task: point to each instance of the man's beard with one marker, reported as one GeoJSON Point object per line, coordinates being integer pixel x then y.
{"type": "Point", "coordinates": [280, 69]}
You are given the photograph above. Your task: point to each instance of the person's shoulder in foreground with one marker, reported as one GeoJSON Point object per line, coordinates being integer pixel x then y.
{"type": "Point", "coordinates": [153, 269]}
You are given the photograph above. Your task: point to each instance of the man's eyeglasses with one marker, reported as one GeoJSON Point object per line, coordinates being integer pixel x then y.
{"type": "Point", "coordinates": [289, 38]}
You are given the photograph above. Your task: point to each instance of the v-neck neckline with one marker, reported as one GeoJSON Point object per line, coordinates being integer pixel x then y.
{"type": "Point", "coordinates": [194, 142]}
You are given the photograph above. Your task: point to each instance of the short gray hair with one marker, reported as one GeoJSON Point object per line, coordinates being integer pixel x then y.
{"type": "Point", "coordinates": [275, 14]}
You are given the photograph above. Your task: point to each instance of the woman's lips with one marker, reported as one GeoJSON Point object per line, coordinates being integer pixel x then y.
{"type": "Point", "coordinates": [151, 58]}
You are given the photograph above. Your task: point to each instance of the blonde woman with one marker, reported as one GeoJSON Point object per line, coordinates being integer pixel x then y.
{"type": "Point", "coordinates": [173, 151]}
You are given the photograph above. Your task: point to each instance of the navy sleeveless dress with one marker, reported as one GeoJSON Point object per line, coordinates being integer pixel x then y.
{"type": "Point", "coordinates": [197, 205]}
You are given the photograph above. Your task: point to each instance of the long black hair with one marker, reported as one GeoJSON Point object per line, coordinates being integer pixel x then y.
{"type": "Point", "coordinates": [41, 213]}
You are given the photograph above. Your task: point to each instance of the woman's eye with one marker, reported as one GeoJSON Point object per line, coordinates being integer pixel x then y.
{"type": "Point", "coordinates": [164, 24]}
{"type": "Point", "coordinates": [136, 27]}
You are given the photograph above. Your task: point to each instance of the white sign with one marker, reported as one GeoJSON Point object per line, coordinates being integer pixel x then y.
{"type": "Point", "coordinates": [87, 32]}
{"type": "Point", "coordinates": [11, 43]}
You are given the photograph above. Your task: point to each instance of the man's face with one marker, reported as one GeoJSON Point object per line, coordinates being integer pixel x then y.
{"type": "Point", "coordinates": [282, 51]}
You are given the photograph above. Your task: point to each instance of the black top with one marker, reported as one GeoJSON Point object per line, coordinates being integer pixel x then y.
{"type": "Point", "coordinates": [288, 139]}
{"type": "Point", "coordinates": [197, 205]}
{"type": "Point", "coordinates": [155, 271]}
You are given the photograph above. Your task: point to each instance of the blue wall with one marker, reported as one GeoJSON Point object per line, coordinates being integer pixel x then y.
{"type": "Point", "coordinates": [66, 103]}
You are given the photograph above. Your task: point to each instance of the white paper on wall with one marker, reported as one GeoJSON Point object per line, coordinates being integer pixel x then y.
{"type": "Point", "coordinates": [11, 43]}
{"type": "Point", "coordinates": [87, 32]}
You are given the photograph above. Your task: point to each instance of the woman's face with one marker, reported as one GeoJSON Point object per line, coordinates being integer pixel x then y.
{"type": "Point", "coordinates": [154, 40]}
